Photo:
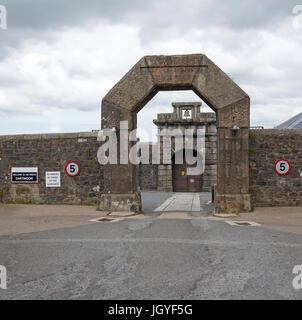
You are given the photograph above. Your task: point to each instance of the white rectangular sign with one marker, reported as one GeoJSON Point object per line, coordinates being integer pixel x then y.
{"type": "Point", "coordinates": [53, 179]}
{"type": "Point", "coordinates": [24, 175]}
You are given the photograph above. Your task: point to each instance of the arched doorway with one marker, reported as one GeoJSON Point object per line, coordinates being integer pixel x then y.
{"type": "Point", "coordinates": [181, 72]}
{"type": "Point", "coordinates": [182, 180]}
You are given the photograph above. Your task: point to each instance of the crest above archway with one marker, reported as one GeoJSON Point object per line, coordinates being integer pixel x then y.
{"type": "Point", "coordinates": [182, 72]}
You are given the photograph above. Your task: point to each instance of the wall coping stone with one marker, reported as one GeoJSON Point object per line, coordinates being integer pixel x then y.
{"type": "Point", "coordinates": [276, 131]}
{"type": "Point", "coordinates": [49, 136]}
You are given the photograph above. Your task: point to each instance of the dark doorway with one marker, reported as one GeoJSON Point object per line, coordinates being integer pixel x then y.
{"type": "Point", "coordinates": [182, 182]}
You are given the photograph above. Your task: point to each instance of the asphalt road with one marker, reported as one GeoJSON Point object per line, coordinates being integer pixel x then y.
{"type": "Point", "coordinates": [152, 258]}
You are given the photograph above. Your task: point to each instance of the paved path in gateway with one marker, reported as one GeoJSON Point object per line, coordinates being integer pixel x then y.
{"type": "Point", "coordinates": [198, 204]}
{"type": "Point", "coordinates": [181, 202]}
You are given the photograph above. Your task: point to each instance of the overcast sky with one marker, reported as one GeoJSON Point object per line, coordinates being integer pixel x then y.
{"type": "Point", "coordinates": [58, 58]}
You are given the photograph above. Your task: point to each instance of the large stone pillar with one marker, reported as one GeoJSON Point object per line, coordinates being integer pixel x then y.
{"type": "Point", "coordinates": [120, 191]}
{"type": "Point", "coordinates": [232, 194]}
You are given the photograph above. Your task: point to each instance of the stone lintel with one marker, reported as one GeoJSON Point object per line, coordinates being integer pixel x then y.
{"type": "Point", "coordinates": [186, 104]}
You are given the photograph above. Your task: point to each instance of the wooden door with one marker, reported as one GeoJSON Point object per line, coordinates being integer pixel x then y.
{"type": "Point", "coordinates": [183, 182]}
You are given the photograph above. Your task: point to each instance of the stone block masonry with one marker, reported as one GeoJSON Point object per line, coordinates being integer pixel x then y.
{"type": "Point", "coordinates": [148, 177]}
{"type": "Point", "coordinates": [267, 188]}
{"type": "Point", "coordinates": [51, 152]}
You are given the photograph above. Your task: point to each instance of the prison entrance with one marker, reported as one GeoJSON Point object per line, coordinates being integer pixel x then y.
{"type": "Point", "coordinates": [182, 180]}
{"type": "Point", "coordinates": [196, 72]}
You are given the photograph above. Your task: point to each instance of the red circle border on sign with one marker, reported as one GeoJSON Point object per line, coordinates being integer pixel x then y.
{"type": "Point", "coordinates": [72, 175]}
{"type": "Point", "coordinates": [282, 174]}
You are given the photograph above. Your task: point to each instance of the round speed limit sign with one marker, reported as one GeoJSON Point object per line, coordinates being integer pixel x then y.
{"type": "Point", "coordinates": [282, 167]}
{"type": "Point", "coordinates": [72, 169]}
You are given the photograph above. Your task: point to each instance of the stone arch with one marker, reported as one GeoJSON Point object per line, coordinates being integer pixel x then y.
{"type": "Point", "coordinates": [181, 72]}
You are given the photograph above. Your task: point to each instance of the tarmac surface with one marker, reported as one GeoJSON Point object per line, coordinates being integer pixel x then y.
{"type": "Point", "coordinates": [57, 252]}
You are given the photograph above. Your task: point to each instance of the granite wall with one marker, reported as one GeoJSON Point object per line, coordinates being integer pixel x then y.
{"type": "Point", "coordinates": [267, 188]}
{"type": "Point", "coordinates": [51, 152]}
{"type": "Point", "coordinates": [148, 176]}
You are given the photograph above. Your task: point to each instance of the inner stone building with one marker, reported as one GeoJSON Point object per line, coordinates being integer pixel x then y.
{"type": "Point", "coordinates": [169, 175]}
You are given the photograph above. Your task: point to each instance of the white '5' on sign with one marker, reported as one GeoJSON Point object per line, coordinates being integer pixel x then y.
{"type": "Point", "coordinates": [72, 168]}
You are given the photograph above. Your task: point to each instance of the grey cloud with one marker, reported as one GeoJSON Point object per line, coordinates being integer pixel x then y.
{"type": "Point", "coordinates": [56, 13]}
{"type": "Point", "coordinates": [173, 18]}
{"type": "Point", "coordinates": [157, 20]}
{"type": "Point", "coordinates": [229, 25]}
{"type": "Point", "coordinates": [14, 37]}
{"type": "Point", "coordinates": [36, 19]}
{"type": "Point", "coordinates": [154, 17]}
{"type": "Point", "coordinates": [50, 103]}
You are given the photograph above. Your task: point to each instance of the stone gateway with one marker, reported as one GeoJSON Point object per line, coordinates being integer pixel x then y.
{"type": "Point", "coordinates": [181, 72]}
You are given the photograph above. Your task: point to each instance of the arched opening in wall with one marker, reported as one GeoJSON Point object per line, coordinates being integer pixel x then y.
{"type": "Point", "coordinates": [165, 110]}
{"type": "Point", "coordinates": [172, 110]}
{"type": "Point", "coordinates": [162, 103]}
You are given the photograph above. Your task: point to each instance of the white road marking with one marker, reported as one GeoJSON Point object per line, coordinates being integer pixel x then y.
{"type": "Point", "coordinates": [165, 204]}
{"type": "Point", "coordinates": [243, 223]}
